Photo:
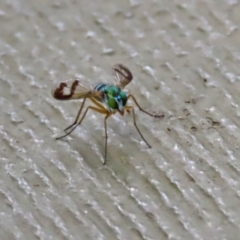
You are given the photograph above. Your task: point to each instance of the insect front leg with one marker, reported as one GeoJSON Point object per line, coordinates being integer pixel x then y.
{"type": "Point", "coordinates": [106, 137]}
{"type": "Point", "coordinates": [128, 108]}
{"type": "Point", "coordinates": [141, 109]}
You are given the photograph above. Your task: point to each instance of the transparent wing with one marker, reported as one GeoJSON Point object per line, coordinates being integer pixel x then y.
{"type": "Point", "coordinates": [122, 75]}
{"type": "Point", "coordinates": [75, 89]}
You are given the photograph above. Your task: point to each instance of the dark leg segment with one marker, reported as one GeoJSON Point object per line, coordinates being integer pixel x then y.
{"type": "Point", "coordinates": [141, 109]}
{"type": "Point", "coordinates": [103, 111]}
{"type": "Point", "coordinates": [76, 119]}
{"type": "Point", "coordinates": [106, 137]}
{"type": "Point", "coordinates": [135, 124]}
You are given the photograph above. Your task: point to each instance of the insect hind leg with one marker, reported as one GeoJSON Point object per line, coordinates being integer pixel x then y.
{"type": "Point", "coordinates": [77, 117]}
{"type": "Point", "coordinates": [74, 126]}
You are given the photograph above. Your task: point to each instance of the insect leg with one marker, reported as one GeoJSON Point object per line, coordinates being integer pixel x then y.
{"type": "Point", "coordinates": [141, 109]}
{"type": "Point", "coordinates": [108, 114]}
{"type": "Point", "coordinates": [106, 137]}
{"type": "Point", "coordinates": [77, 117]}
{"type": "Point", "coordinates": [103, 111]}
{"type": "Point", "coordinates": [135, 124]}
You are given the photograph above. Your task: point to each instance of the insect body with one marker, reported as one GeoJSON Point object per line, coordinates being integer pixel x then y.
{"type": "Point", "coordinates": [113, 97]}
{"type": "Point", "coordinates": [107, 100]}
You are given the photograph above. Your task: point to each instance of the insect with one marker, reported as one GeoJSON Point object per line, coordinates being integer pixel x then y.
{"type": "Point", "coordinates": [107, 100]}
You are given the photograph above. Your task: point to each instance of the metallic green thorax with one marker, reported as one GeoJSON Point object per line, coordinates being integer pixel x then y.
{"type": "Point", "coordinates": [113, 96]}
